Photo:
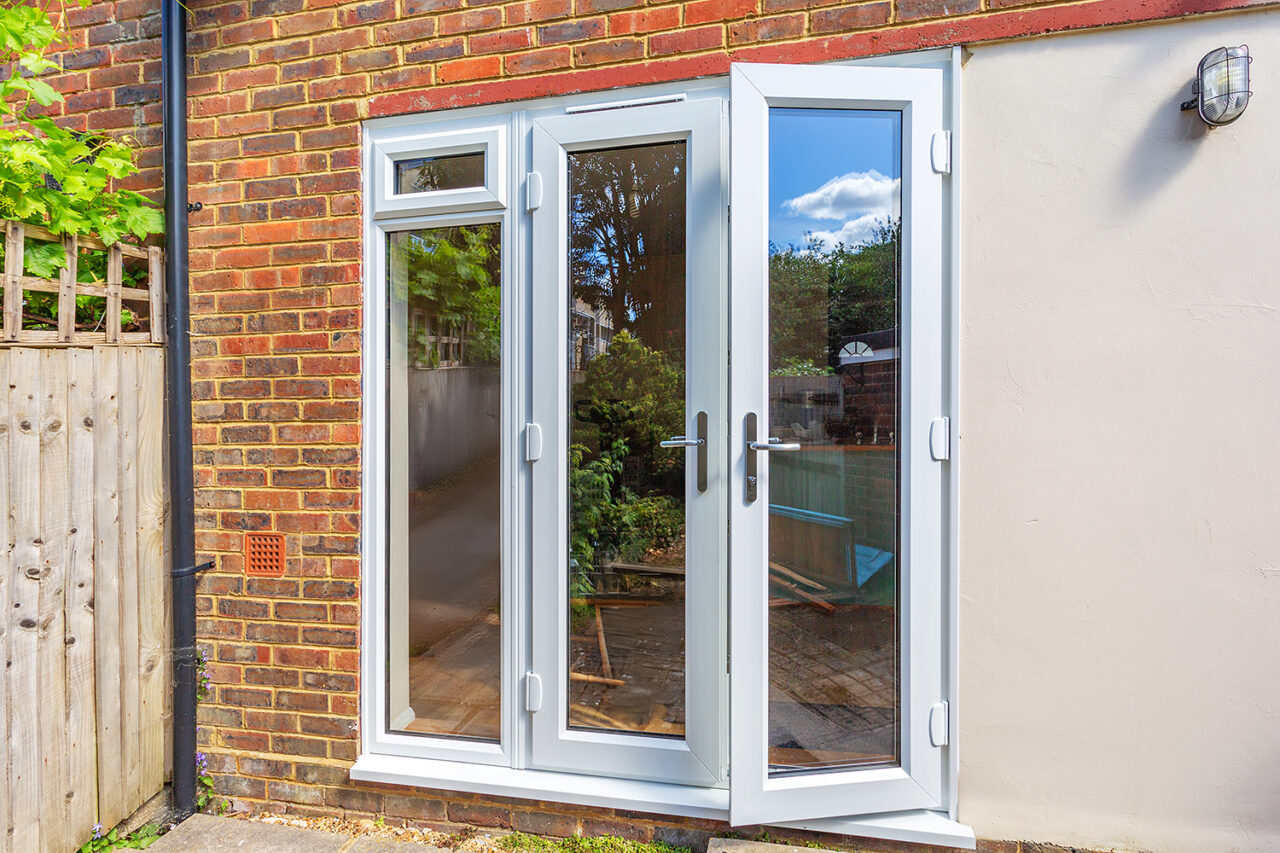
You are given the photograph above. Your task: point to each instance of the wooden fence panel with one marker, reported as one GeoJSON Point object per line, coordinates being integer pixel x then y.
{"type": "Point", "coordinates": [6, 584]}
{"type": "Point", "coordinates": [82, 808]}
{"type": "Point", "coordinates": [106, 585]}
{"type": "Point", "coordinates": [55, 780]}
{"type": "Point", "coordinates": [24, 614]}
{"type": "Point", "coordinates": [130, 723]}
{"type": "Point", "coordinates": [84, 613]}
{"type": "Point", "coordinates": [153, 674]}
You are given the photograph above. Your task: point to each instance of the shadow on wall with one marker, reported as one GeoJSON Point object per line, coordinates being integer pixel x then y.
{"type": "Point", "coordinates": [1169, 143]}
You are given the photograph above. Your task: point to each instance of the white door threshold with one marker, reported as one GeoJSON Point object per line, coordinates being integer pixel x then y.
{"type": "Point", "coordinates": [920, 827]}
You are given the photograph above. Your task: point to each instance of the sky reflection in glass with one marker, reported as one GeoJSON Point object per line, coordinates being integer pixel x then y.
{"type": "Point", "coordinates": [805, 198]}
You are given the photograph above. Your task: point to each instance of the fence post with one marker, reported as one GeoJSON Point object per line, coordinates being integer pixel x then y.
{"type": "Point", "coordinates": [67, 290]}
{"type": "Point", "coordinates": [13, 242]}
{"type": "Point", "coordinates": [155, 288]}
{"type": "Point", "coordinates": [115, 279]}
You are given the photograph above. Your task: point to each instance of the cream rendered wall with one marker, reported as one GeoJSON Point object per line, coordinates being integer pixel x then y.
{"type": "Point", "coordinates": [1120, 444]}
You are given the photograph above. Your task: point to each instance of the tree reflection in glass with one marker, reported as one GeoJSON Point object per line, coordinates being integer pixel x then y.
{"type": "Point", "coordinates": [626, 362]}
{"type": "Point", "coordinates": [448, 172]}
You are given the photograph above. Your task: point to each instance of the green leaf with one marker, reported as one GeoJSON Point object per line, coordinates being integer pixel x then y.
{"type": "Point", "coordinates": [28, 152]}
{"type": "Point", "coordinates": [44, 93]}
{"type": "Point", "coordinates": [142, 221]}
{"type": "Point", "coordinates": [43, 260]}
{"type": "Point", "coordinates": [36, 64]}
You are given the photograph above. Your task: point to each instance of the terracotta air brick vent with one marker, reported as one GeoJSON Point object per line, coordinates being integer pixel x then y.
{"type": "Point", "coordinates": [264, 555]}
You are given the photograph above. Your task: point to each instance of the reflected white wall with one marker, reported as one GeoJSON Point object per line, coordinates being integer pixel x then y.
{"type": "Point", "coordinates": [453, 420]}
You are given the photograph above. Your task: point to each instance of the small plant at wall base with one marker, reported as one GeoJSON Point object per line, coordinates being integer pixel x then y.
{"type": "Point", "coordinates": [202, 673]}
{"type": "Point", "coordinates": [206, 798]}
{"type": "Point", "coordinates": [140, 839]}
{"type": "Point", "coordinates": [58, 178]}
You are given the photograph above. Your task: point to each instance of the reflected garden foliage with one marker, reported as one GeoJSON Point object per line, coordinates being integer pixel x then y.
{"type": "Point", "coordinates": [453, 278]}
{"type": "Point", "coordinates": [818, 300]}
{"type": "Point", "coordinates": [624, 497]}
{"type": "Point", "coordinates": [627, 269]}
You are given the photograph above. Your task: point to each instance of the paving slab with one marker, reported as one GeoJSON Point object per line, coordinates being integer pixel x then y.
{"type": "Point", "coordinates": [202, 833]}
{"type": "Point", "coordinates": [387, 845]}
{"type": "Point", "coordinates": [741, 845]}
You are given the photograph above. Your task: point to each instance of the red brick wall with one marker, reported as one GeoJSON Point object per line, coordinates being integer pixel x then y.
{"type": "Point", "coordinates": [277, 91]}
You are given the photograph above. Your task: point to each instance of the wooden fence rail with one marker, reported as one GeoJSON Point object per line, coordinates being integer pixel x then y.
{"type": "Point", "coordinates": [16, 283]}
{"type": "Point", "coordinates": [83, 589]}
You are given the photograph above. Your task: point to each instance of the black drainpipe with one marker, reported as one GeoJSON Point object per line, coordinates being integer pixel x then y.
{"type": "Point", "coordinates": [173, 40]}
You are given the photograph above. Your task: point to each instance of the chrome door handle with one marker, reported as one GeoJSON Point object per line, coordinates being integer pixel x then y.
{"type": "Point", "coordinates": [752, 479]}
{"type": "Point", "coordinates": [773, 444]}
{"type": "Point", "coordinates": [699, 441]}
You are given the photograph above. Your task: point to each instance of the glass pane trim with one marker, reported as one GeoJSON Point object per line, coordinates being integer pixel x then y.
{"type": "Point", "coordinates": [626, 362]}
{"type": "Point", "coordinates": [445, 334]}
{"type": "Point", "coordinates": [834, 389]}
{"type": "Point", "coordinates": [447, 172]}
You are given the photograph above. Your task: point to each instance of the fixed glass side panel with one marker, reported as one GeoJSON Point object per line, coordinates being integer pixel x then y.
{"type": "Point", "coordinates": [835, 205]}
{"type": "Point", "coordinates": [445, 495]}
{"type": "Point", "coordinates": [626, 363]}
{"type": "Point", "coordinates": [444, 172]}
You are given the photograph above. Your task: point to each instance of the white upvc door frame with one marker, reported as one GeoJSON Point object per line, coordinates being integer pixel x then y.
{"type": "Point", "coordinates": [699, 758]}
{"type": "Point", "coordinates": [918, 782]}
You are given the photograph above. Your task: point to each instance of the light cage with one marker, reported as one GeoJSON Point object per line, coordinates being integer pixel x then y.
{"type": "Point", "coordinates": [1221, 86]}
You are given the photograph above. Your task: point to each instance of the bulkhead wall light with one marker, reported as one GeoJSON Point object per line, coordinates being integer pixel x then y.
{"type": "Point", "coordinates": [1221, 87]}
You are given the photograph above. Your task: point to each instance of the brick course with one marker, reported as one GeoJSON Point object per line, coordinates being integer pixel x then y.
{"type": "Point", "coordinates": [277, 91]}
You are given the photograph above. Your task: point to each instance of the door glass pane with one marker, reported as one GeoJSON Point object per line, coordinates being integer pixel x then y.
{"type": "Point", "coordinates": [834, 382]}
{"type": "Point", "coordinates": [626, 362]}
{"type": "Point", "coordinates": [444, 302]}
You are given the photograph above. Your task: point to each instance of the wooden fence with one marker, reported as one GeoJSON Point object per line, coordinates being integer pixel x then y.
{"type": "Point", "coordinates": [110, 290]}
{"type": "Point", "coordinates": [84, 700]}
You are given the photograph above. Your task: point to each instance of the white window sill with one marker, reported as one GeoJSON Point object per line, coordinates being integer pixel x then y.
{"type": "Point", "coordinates": [919, 827]}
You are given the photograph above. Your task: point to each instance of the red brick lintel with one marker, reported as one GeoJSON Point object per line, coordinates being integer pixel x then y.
{"type": "Point", "coordinates": [988, 26]}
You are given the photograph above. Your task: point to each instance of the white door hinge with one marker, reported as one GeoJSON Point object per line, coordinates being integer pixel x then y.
{"type": "Point", "coordinates": [940, 438]}
{"type": "Point", "coordinates": [532, 442]}
{"type": "Point", "coordinates": [532, 692]}
{"type": "Point", "coordinates": [940, 152]}
{"type": "Point", "coordinates": [533, 191]}
{"type": "Point", "coordinates": [939, 724]}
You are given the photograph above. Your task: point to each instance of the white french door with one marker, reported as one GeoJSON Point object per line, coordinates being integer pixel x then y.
{"type": "Point", "coordinates": [719, 315]}
{"type": "Point", "coordinates": [836, 502]}
{"type": "Point", "coordinates": [629, 390]}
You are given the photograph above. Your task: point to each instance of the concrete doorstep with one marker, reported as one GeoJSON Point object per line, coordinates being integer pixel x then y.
{"type": "Point", "coordinates": [203, 833]}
